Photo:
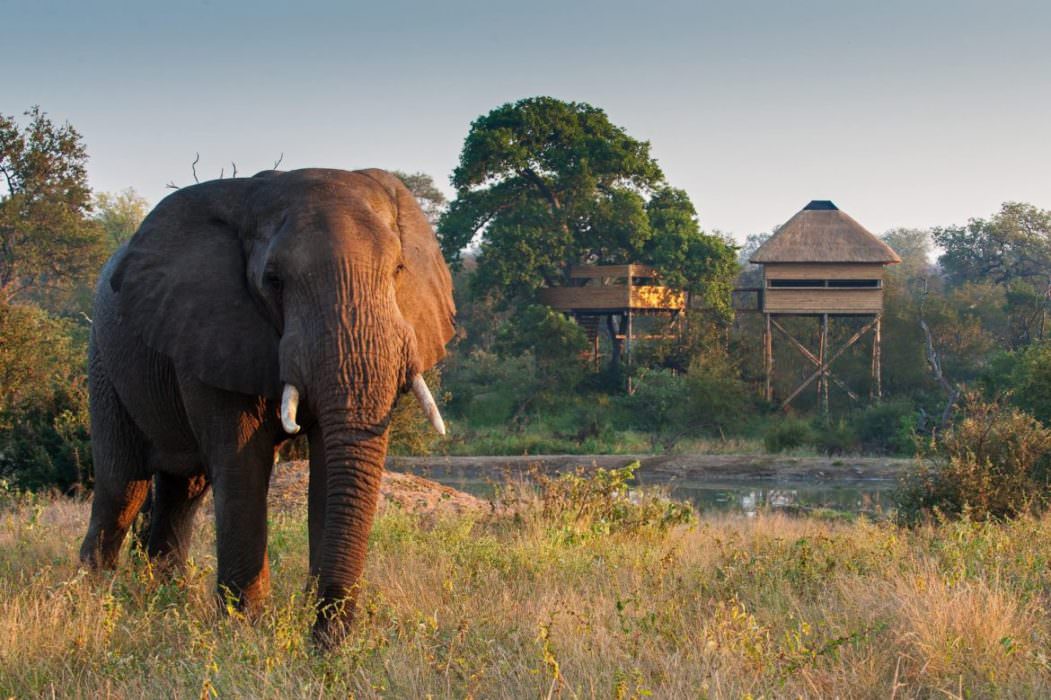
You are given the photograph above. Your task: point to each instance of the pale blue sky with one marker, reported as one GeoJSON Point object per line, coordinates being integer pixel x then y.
{"type": "Point", "coordinates": [912, 113]}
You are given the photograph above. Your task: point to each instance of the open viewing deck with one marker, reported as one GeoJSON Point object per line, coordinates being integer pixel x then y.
{"type": "Point", "coordinates": [603, 289]}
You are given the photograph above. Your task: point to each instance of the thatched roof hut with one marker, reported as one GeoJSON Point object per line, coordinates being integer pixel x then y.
{"type": "Point", "coordinates": [823, 262]}
{"type": "Point", "coordinates": [821, 233]}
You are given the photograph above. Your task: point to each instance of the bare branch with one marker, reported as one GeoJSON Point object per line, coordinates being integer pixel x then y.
{"type": "Point", "coordinates": [193, 166]}
{"type": "Point", "coordinates": [234, 166]}
{"type": "Point", "coordinates": [171, 185]}
{"type": "Point", "coordinates": [932, 360]}
{"type": "Point", "coordinates": [7, 176]}
{"type": "Point", "coordinates": [278, 161]}
{"type": "Point", "coordinates": [222, 171]}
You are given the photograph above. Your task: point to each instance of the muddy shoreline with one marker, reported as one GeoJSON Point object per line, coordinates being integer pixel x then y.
{"type": "Point", "coordinates": [757, 467]}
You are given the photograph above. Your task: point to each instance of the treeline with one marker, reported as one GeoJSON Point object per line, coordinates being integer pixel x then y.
{"type": "Point", "coordinates": [54, 237]}
{"type": "Point", "coordinates": [543, 185]}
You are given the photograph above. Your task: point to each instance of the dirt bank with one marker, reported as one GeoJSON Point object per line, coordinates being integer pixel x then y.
{"type": "Point", "coordinates": [412, 493]}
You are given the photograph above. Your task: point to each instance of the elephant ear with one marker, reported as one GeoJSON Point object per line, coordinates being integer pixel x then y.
{"type": "Point", "coordinates": [181, 285]}
{"type": "Point", "coordinates": [424, 289]}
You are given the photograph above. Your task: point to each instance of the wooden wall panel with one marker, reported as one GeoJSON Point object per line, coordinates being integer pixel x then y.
{"type": "Point", "coordinates": [823, 301]}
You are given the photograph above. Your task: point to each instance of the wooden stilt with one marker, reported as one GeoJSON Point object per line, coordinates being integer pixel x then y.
{"type": "Point", "coordinates": [768, 357]}
{"type": "Point", "coordinates": [877, 351]}
{"type": "Point", "coordinates": [594, 348]}
{"type": "Point", "coordinates": [628, 348]}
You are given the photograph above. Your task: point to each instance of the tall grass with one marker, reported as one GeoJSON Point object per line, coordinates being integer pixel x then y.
{"type": "Point", "coordinates": [519, 606]}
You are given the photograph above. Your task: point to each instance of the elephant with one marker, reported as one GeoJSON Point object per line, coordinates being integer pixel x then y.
{"type": "Point", "coordinates": [241, 312]}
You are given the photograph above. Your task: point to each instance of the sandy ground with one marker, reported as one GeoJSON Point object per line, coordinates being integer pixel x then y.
{"type": "Point", "coordinates": [288, 491]}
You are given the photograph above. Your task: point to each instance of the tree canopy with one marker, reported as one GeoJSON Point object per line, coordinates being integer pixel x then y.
{"type": "Point", "coordinates": [430, 198]}
{"type": "Point", "coordinates": [1015, 243]}
{"type": "Point", "coordinates": [47, 240]}
{"type": "Point", "coordinates": [1011, 253]}
{"type": "Point", "coordinates": [544, 184]}
{"type": "Point", "coordinates": [119, 214]}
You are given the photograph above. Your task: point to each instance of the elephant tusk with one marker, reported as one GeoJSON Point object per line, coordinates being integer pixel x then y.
{"type": "Point", "coordinates": [289, 406]}
{"type": "Point", "coordinates": [423, 394]}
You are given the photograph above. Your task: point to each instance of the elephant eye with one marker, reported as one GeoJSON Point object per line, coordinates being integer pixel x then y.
{"type": "Point", "coordinates": [272, 280]}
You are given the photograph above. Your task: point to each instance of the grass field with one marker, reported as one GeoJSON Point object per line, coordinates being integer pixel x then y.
{"type": "Point", "coordinates": [552, 601]}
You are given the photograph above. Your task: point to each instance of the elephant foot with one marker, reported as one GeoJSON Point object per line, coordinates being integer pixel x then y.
{"type": "Point", "coordinates": [249, 599]}
{"type": "Point", "coordinates": [334, 618]}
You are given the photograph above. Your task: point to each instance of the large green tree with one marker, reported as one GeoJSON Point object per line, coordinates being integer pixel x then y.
{"type": "Point", "coordinates": [1011, 250]}
{"type": "Point", "coordinates": [47, 240]}
{"type": "Point", "coordinates": [430, 198]}
{"type": "Point", "coordinates": [119, 214]}
{"type": "Point", "coordinates": [544, 184]}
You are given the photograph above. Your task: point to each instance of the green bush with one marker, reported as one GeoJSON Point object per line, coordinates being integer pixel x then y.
{"type": "Point", "coordinates": [554, 341]}
{"type": "Point", "coordinates": [487, 389]}
{"type": "Point", "coordinates": [708, 399]}
{"type": "Point", "coordinates": [43, 401]}
{"type": "Point", "coordinates": [1031, 381]}
{"type": "Point", "coordinates": [834, 437]}
{"type": "Point", "coordinates": [888, 428]}
{"type": "Point", "coordinates": [995, 462]}
{"type": "Point", "coordinates": [658, 403]}
{"type": "Point", "coordinates": [602, 502]}
{"type": "Point", "coordinates": [411, 433]}
{"type": "Point", "coordinates": [788, 434]}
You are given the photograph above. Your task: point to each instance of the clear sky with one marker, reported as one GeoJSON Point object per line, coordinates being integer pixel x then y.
{"type": "Point", "coordinates": [905, 113]}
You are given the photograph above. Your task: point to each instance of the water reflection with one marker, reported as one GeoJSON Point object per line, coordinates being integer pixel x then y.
{"type": "Point", "coordinates": [871, 497]}
{"type": "Point", "coordinates": [744, 495]}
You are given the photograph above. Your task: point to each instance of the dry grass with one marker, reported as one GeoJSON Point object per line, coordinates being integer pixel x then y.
{"type": "Point", "coordinates": [532, 607]}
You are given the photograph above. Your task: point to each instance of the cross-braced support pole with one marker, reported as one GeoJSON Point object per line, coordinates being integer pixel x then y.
{"type": "Point", "coordinates": [822, 382]}
{"type": "Point", "coordinates": [824, 363]}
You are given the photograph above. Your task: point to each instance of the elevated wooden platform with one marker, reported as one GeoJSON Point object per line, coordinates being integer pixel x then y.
{"type": "Point", "coordinates": [615, 294]}
{"type": "Point", "coordinates": [823, 264]}
{"type": "Point", "coordinates": [605, 289]}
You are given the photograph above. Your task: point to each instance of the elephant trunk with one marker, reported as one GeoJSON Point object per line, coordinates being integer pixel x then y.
{"type": "Point", "coordinates": [354, 466]}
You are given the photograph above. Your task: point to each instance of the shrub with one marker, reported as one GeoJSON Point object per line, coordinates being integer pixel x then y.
{"type": "Point", "coordinates": [658, 404]}
{"type": "Point", "coordinates": [1032, 381]}
{"type": "Point", "coordinates": [411, 433]}
{"type": "Point", "coordinates": [834, 437]}
{"type": "Point", "coordinates": [788, 434]}
{"type": "Point", "coordinates": [601, 502]}
{"type": "Point", "coordinates": [888, 427]}
{"type": "Point", "coordinates": [708, 399]}
{"type": "Point", "coordinates": [486, 389]}
{"type": "Point", "coordinates": [43, 401]}
{"type": "Point", "coordinates": [995, 462]}
{"type": "Point", "coordinates": [554, 341]}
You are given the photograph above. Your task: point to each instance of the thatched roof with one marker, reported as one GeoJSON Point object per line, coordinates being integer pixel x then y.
{"type": "Point", "coordinates": [821, 233]}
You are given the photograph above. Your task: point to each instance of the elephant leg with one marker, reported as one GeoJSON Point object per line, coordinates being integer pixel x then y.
{"type": "Point", "coordinates": [317, 493]}
{"type": "Point", "coordinates": [175, 503]}
{"type": "Point", "coordinates": [121, 482]}
{"type": "Point", "coordinates": [240, 482]}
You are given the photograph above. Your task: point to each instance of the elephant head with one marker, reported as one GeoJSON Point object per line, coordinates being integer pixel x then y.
{"type": "Point", "coordinates": [321, 288]}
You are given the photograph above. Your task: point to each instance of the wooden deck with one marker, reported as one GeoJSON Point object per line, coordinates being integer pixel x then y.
{"type": "Point", "coordinates": [613, 298]}
{"type": "Point", "coordinates": [613, 288]}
